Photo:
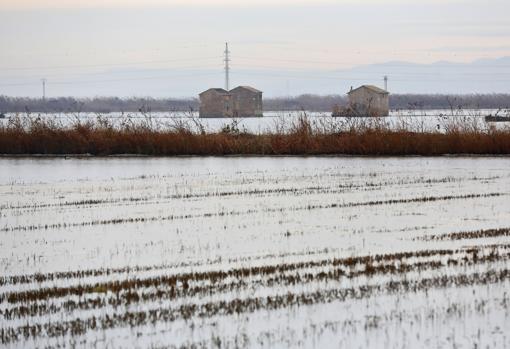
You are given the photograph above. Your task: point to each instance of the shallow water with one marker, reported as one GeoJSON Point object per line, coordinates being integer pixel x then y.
{"type": "Point", "coordinates": [413, 120]}
{"type": "Point", "coordinates": [147, 219]}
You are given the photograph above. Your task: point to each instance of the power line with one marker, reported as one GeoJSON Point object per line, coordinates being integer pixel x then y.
{"type": "Point", "coordinates": [112, 80]}
{"type": "Point", "coordinates": [263, 74]}
{"type": "Point", "coordinates": [331, 71]}
{"type": "Point", "coordinates": [389, 64]}
{"type": "Point", "coordinates": [117, 73]}
{"type": "Point", "coordinates": [82, 51]}
{"type": "Point", "coordinates": [296, 73]}
{"type": "Point", "coordinates": [258, 59]}
{"type": "Point", "coordinates": [111, 64]}
{"type": "Point", "coordinates": [374, 77]}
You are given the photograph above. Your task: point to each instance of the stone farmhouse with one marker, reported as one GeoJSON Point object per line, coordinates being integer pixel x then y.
{"type": "Point", "coordinates": [369, 100]}
{"type": "Point", "coordinates": [242, 101]}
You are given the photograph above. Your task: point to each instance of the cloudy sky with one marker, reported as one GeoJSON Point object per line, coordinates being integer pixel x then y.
{"type": "Point", "coordinates": [113, 47]}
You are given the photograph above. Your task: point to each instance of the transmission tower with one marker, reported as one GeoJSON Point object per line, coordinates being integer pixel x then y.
{"type": "Point", "coordinates": [227, 67]}
{"type": "Point", "coordinates": [43, 89]}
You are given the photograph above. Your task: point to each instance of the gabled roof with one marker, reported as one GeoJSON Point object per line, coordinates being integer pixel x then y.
{"type": "Point", "coordinates": [216, 89]}
{"type": "Point", "coordinates": [372, 88]}
{"type": "Point", "coordinates": [249, 88]}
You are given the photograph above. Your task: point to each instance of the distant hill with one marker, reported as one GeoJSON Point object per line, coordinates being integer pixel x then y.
{"type": "Point", "coordinates": [483, 76]}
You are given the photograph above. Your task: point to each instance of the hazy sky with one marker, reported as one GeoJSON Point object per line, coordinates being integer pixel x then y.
{"type": "Point", "coordinates": [72, 41]}
{"type": "Point", "coordinates": [32, 4]}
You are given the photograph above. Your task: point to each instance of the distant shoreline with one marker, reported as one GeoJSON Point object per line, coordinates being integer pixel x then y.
{"type": "Point", "coordinates": [311, 102]}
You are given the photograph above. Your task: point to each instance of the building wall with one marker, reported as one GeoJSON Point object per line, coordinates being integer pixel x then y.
{"type": "Point", "coordinates": [370, 103]}
{"type": "Point", "coordinates": [238, 102]}
{"type": "Point", "coordinates": [246, 103]}
{"type": "Point", "coordinates": [214, 104]}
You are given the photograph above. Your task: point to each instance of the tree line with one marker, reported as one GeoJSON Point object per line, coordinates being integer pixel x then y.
{"type": "Point", "coordinates": [303, 102]}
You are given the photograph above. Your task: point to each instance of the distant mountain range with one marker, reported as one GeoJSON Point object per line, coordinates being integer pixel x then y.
{"type": "Point", "coordinates": [481, 76]}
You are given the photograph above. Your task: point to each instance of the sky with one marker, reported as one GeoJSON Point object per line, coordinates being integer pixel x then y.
{"type": "Point", "coordinates": [175, 48]}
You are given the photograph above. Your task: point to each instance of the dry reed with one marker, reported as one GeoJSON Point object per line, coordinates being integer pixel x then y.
{"type": "Point", "coordinates": [301, 136]}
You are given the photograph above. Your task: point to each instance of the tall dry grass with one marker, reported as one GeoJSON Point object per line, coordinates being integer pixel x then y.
{"type": "Point", "coordinates": [301, 136]}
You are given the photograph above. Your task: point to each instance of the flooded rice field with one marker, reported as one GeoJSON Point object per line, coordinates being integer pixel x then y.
{"type": "Point", "coordinates": [255, 252]}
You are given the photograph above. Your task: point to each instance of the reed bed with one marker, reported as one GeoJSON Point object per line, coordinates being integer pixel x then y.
{"type": "Point", "coordinates": [27, 135]}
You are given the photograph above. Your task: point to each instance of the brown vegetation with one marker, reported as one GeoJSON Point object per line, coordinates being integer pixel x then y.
{"type": "Point", "coordinates": [309, 207]}
{"type": "Point", "coordinates": [301, 137]}
{"type": "Point", "coordinates": [184, 286]}
{"type": "Point", "coordinates": [316, 189]}
{"type": "Point", "coordinates": [477, 234]}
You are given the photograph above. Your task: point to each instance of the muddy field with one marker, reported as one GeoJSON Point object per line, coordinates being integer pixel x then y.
{"type": "Point", "coordinates": [255, 252]}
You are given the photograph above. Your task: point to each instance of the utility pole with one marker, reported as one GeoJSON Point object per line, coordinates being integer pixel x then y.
{"type": "Point", "coordinates": [43, 89]}
{"type": "Point", "coordinates": [227, 67]}
{"type": "Point", "coordinates": [385, 82]}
